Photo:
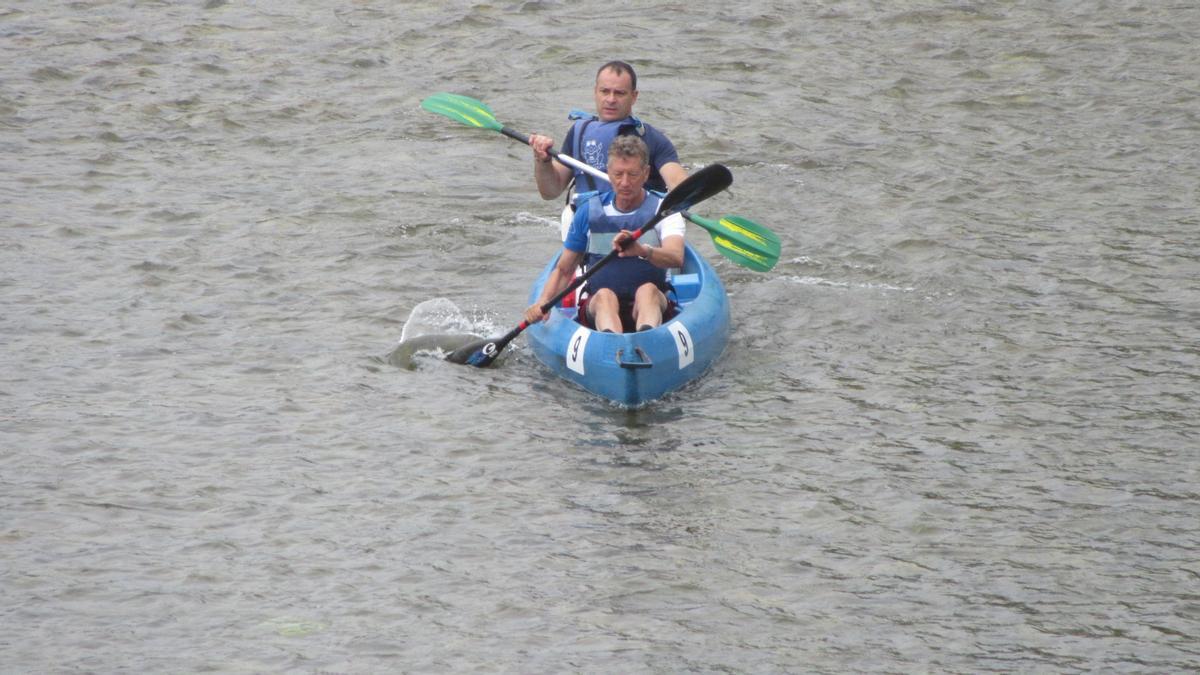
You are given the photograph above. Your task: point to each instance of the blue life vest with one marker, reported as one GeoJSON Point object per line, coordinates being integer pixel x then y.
{"type": "Point", "coordinates": [622, 275]}
{"type": "Point", "coordinates": [591, 140]}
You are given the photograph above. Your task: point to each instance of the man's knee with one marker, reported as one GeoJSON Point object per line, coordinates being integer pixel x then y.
{"type": "Point", "coordinates": [604, 297]}
{"type": "Point", "coordinates": [649, 292]}
{"type": "Point", "coordinates": [601, 302]}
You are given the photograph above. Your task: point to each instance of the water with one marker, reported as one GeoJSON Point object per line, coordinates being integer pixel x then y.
{"type": "Point", "coordinates": [954, 431]}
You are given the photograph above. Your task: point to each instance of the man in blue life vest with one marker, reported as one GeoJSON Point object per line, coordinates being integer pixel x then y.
{"type": "Point", "coordinates": [632, 285]}
{"type": "Point", "coordinates": [590, 135]}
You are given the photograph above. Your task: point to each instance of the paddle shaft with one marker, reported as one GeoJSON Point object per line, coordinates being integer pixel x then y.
{"type": "Point", "coordinates": [579, 280]}
{"type": "Point", "coordinates": [712, 227]}
{"type": "Point", "coordinates": [584, 167]}
{"type": "Point", "coordinates": [564, 158]}
{"type": "Point", "coordinates": [743, 256]}
{"type": "Point", "coordinates": [589, 169]}
{"type": "Point", "coordinates": [492, 348]}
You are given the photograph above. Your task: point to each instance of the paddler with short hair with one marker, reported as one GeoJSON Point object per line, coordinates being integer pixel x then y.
{"type": "Point", "coordinates": [629, 291]}
{"type": "Point", "coordinates": [589, 138]}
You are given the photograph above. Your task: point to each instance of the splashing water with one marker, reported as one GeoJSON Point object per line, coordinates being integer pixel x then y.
{"type": "Point", "coordinates": [438, 316]}
{"type": "Point", "coordinates": [435, 327]}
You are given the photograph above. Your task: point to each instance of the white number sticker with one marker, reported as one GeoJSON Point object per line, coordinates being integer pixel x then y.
{"type": "Point", "coordinates": [576, 348]}
{"type": "Point", "coordinates": [683, 344]}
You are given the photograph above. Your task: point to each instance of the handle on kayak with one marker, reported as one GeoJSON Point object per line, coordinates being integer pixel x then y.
{"type": "Point", "coordinates": [642, 362]}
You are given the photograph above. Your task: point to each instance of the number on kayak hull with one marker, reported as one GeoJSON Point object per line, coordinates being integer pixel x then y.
{"type": "Point", "coordinates": [683, 344]}
{"type": "Point", "coordinates": [576, 348]}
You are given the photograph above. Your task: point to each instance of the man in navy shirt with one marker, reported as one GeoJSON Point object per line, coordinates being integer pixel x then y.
{"type": "Point", "coordinates": [590, 135]}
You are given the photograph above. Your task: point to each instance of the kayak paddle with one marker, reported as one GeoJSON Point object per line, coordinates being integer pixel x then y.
{"type": "Point", "coordinates": [742, 240]}
{"type": "Point", "coordinates": [473, 113]}
{"type": "Point", "coordinates": [739, 239]}
{"type": "Point", "coordinates": [696, 188]}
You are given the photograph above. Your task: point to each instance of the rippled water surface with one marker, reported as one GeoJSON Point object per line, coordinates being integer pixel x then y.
{"type": "Point", "coordinates": [954, 430]}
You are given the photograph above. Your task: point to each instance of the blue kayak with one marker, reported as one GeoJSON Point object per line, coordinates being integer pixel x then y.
{"type": "Point", "coordinates": [633, 369]}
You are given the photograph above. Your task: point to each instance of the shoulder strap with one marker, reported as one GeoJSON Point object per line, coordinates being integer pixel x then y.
{"type": "Point", "coordinates": [635, 125]}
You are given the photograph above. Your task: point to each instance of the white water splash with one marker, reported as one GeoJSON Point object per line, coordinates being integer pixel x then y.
{"type": "Point", "coordinates": [438, 316]}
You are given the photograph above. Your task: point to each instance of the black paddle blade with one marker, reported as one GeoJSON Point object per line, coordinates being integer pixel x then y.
{"type": "Point", "coordinates": [479, 354]}
{"type": "Point", "coordinates": [696, 188]}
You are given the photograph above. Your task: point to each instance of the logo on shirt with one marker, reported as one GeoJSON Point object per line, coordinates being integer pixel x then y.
{"type": "Point", "coordinates": [594, 154]}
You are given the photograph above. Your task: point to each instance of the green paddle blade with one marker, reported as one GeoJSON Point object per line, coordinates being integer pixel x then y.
{"type": "Point", "coordinates": [742, 241]}
{"type": "Point", "coordinates": [463, 109]}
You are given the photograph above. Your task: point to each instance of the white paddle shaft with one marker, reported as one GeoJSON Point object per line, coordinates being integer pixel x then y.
{"type": "Point", "coordinates": [586, 168]}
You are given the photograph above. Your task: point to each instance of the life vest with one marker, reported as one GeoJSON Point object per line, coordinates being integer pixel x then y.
{"type": "Point", "coordinates": [622, 275]}
{"type": "Point", "coordinates": [592, 138]}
